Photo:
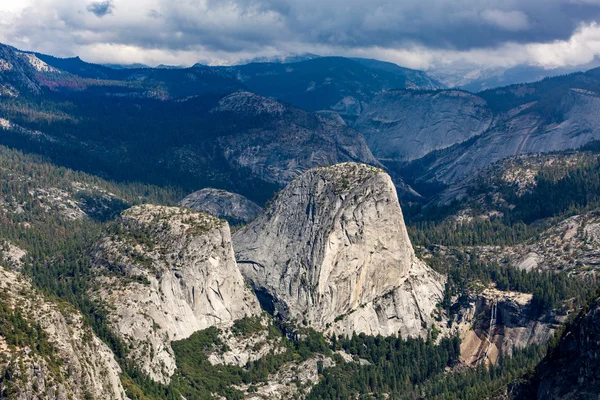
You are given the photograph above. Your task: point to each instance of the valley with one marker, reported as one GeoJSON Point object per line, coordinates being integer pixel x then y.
{"type": "Point", "coordinates": [323, 228]}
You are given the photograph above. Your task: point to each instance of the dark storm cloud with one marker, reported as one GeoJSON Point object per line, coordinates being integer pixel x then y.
{"type": "Point", "coordinates": [100, 8]}
{"type": "Point", "coordinates": [230, 27]}
{"type": "Point", "coordinates": [461, 24]}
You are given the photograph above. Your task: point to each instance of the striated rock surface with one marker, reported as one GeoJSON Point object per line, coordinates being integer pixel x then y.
{"type": "Point", "coordinates": [484, 338]}
{"type": "Point", "coordinates": [166, 273]}
{"type": "Point", "coordinates": [79, 366]}
{"type": "Point", "coordinates": [543, 119]}
{"type": "Point", "coordinates": [233, 207]}
{"type": "Point", "coordinates": [406, 125]}
{"type": "Point", "coordinates": [333, 252]}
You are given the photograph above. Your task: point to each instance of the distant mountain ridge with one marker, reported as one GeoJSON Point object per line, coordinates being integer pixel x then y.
{"type": "Point", "coordinates": [477, 79]}
{"type": "Point", "coordinates": [471, 131]}
{"type": "Point", "coordinates": [306, 81]}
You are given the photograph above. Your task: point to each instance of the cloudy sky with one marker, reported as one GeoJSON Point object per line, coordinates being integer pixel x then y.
{"type": "Point", "coordinates": [415, 33]}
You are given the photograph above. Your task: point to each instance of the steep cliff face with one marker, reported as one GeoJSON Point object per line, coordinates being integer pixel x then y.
{"type": "Point", "coordinates": [407, 125]}
{"type": "Point", "coordinates": [571, 370]}
{"type": "Point", "coordinates": [567, 119]}
{"type": "Point", "coordinates": [495, 322]}
{"type": "Point", "coordinates": [66, 361]}
{"type": "Point", "coordinates": [234, 208]}
{"type": "Point", "coordinates": [333, 252]}
{"type": "Point", "coordinates": [166, 273]}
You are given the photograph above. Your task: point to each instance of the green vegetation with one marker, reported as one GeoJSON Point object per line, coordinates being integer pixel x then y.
{"type": "Point", "coordinates": [137, 139]}
{"type": "Point", "coordinates": [197, 378]}
{"type": "Point", "coordinates": [18, 332]}
{"type": "Point", "coordinates": [58, 259]}
{"type": "Point", "coordinates": [394, 366]}
{"type": "Point", "coordinates": [494, 232]}
{"type": "Point", "coordinates": [560, 190]}
{"type": "Point", "coordinates": [21, 334]}
{"type": "Point", "coordinates": [247, 326]}
{"type": "Point", "coordinates": [550, 290]}
{"type": "Point", "coordinates": [481, 382]}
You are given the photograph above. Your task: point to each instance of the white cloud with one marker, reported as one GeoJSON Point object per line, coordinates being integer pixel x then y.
{"type": "Point", "coordinates": [415, 33]}
{"type": "Point", "coordinates": [581, 48]}
{"type": "Point", "coordinates": [13, 5]}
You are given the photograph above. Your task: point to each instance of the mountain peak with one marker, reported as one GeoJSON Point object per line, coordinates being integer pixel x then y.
{"type": "Point", "coordinates": [333, 251]}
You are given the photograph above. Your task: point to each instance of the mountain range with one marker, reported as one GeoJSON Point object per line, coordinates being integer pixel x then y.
{"type": "Point", "coordinates": [389, 237]}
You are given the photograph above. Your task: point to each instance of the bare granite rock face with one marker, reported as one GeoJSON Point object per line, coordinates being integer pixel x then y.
{"type": "Point", "coordinates": [406, 125]}
{"type": "Point", "coordinates": [333, 252]}
{"type": "Point", "coordinates": [81, 365]}
{"type": "Point", "coordinates": [495, 322]}
{"type": "Point", "coordinates": [574, 122]}
{"type": "Point", "coordinates": [233, 207]}
{"type": "Point", "coordinates": [242, 347]}
{"type": "Point", "coordinates": [166, 273]}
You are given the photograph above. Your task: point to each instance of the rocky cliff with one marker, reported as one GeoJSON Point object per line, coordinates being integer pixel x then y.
{"type": "Point", "coordinates": [165, 273]}
{"type": "Point", "coordinates": [553, 115]}
{"type": "Point", "coordinates": [406, 125]}
{"type": "Point", "coordinates": [494, 323]}
{"type": "Point", "coordinates": [64, 360]}
{"type": "Point", "coordinates": [234, 208]}
{"type": "Point", "coordinates": [286, 141]}
{"type": "Point", "coordinates": [333, 252]}
{"type": "Point", "coordinates": [571, 369]}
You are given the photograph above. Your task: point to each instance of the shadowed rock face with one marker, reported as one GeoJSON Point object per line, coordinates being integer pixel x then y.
{"type": "Point", "coordinates": [166, 274]}
{"type": "Point", "coordinates": [571, 372]}
{"type": "Point", "coordinates": [234, 208]}
{"type": "Point", "coordinates": [285, 141]}
{"type": "Point", "coordinates": [407, 125]}
{"type": "Point", "coordinates": [333, 251]}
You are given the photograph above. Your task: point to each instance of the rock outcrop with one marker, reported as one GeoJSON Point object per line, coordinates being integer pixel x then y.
{"type": "Point", "coordinates": [286, 141]}
{"type": "Point", "coordinates": [495, 322]}
{"type": "Point", "coordinates": [79, 366]}
{"type": "Point", "coordinates": [333, 252]}
{"type": "Point", "coordinates": [570, 245]}
{"type": "Point", "coordinates": [406, 125]}
{"type": "Point", "coordinates": [233, 207]}
{"type": "Point", "coordinates": [166, 273]}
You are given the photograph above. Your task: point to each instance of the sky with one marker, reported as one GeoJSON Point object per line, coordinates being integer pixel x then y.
{"type": "Point", "coordinates": [422, 34]}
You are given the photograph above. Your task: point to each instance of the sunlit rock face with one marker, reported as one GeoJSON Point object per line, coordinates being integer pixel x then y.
{"type": "Point", "coordinates": [333, 252]}
{"type": "Point", "coordinates": [166, 273]}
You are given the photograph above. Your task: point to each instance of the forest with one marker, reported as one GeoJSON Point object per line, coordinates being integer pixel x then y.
{"type": "Point", "coordinates": [59, 263]}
